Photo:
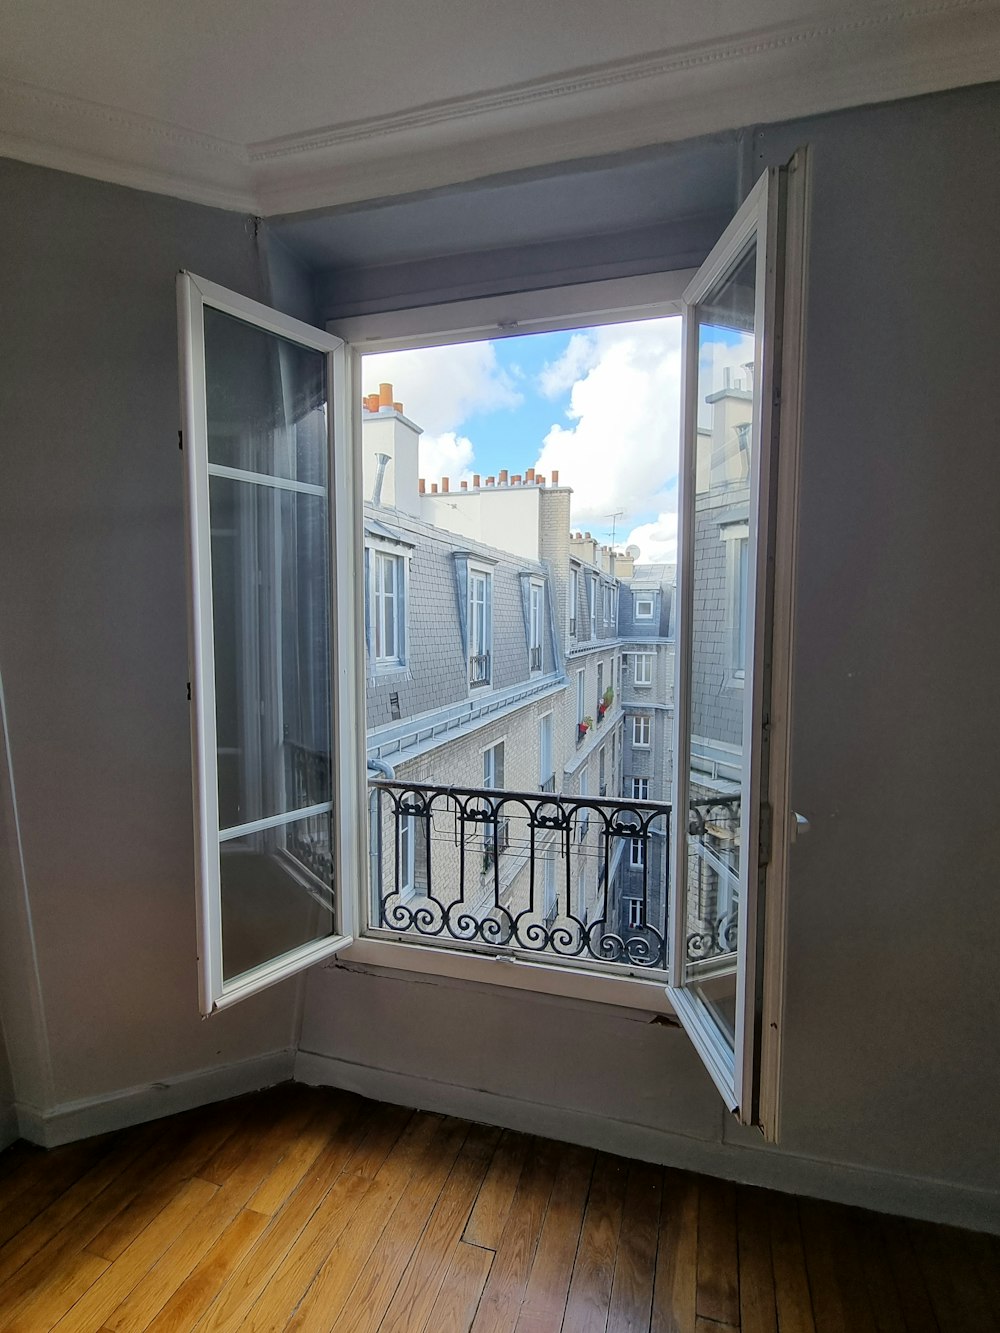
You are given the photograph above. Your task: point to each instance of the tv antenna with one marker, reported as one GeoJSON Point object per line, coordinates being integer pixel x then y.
{"type": "Point", "coordinates": [619, 513]}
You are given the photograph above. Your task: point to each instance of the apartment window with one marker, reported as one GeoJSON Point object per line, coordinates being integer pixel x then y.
{"type": "Point", "coordinates": [387, 609]}
{"type": "Point", "coordinates": [412, 846]}
{"type": "Point", "coordinates": [643, 669]}
{"type": "Point", "coordinates": [601, 773]}
{"type": "Point", "coordinates": [600, 687]}
{"type": "Point", "coordinates": [641, 728]}
{"type": "Point", "coordinates": [737, 539]}
{"type": "Point", "coordinates": [581, 696]}
{"type": "Point", "coordinates": [593, 606]}
{"type": "Point", "coordinates": [546, 764]}
{"type": "Point", "coordinates": [496, 832]}
{"type": "Point", "coordinates": [606, 603]}
{"type": "Point", "coordinates": [640, 789]}
{"type": "Point", "coordinates": [583, 819]}
{"type": "Point", "coordinates": [636, 853]}
{"type": "Point", "coordinates": [643, 608]}
{"type": "Point", "coordinates": [549, 884]}
{"type": "Point", "coordinates": [493, 766]}
{"type": "Point", "coordinates": [536, 595]}
{"type": "Point", "coordinates": [574, 597]}
{"type": "Point", "coordinates": [480, 627]}
{"type": "Point", "coordinates": [635, 913]}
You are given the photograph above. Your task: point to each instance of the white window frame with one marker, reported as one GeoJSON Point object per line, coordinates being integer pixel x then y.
{"type": "Point", "coordinates": [642, 725]}
{"type": "Point", "coordinates": [636, 854]}
{"type": "Point", "coordinates": [377, 552]}
{"type": "Point", "coordinates": [536, 624]}
{"type": "Point", "coordinates": [546, 748]}
{"type": "Point", "coordinates": [480, 574]}
{"type": "Point", "coordinates": [640, 789]}
{"type": "Point", "coordinates": [581, 695]}
{"type": "Point", "coordinates": [348, 812]}
{"type": "Point", "coordinates": [593, 582]}
{"type": "Point", "coordinates": [635, 913]}
{"type": "Point", "coordinates": [643, 599]}
{"type": "Point", "coordinates": [736, 537]}
{"type": "Point", "coordinates": [646, 659]}
{"type": "Point", "coordinates": [582, 306]}
{"type": "Point", "coordinates": [574, 598]}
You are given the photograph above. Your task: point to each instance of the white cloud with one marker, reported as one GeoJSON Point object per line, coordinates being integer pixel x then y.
{"type": "Point", "coordinates": [657, 541]}
{"type": "Point", "coordinates": [448, 455]}
{"type": "Point", "coordinates": [441, 387]}
{"type": "Point", "coordinates": [620, 450]}
{"type": "Point", "coordinates": [559, 375]}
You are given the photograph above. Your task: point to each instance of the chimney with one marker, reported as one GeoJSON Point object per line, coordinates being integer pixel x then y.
{"type": "Point", "coordinates": [434, 488]}
{"type": "Point", "coordinates": [444, 485]}
{"type": "Point", "coordinates": [475, 478]}
{"type": "Point", "coordinates": [464, 485]}
{"type": "Point", "coordinates": [490, 481]}
{"type": "Point", "coordinates": [421, 487]}
{"type": "Point", "coordinates": [386, 433]}
{"type": "Point", "coordinates": [503, 476]}
{"type": "Point", "coordinates": [516, 479]}
{"type": "Point", "coordinates": [529, 474]}
{"type": "Point", "coordinates": [555, 477]}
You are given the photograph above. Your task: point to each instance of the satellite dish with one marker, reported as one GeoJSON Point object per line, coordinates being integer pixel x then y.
{"type": "Point", "coordinates": [632, 552]}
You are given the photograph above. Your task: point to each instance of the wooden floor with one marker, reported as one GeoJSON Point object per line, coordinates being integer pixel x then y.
{"type": "Point", "coordinates": [311, 1209]}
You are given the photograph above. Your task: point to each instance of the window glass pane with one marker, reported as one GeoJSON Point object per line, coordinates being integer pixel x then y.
{"type": "Point", "coordinates": [270, 591]}
{"type": "Point", "coordinates": [276, 892]}
{"type": "Point", "coordinates": [266, 401]}
{"type": "Point", "coordinates": [725, 396]}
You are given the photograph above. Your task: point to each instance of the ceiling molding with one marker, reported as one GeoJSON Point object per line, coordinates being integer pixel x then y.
{"type": "Point", "coordinates": [765, 75]}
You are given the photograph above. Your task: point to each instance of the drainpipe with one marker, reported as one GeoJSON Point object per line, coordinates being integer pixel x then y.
{"type": "Point", "coordinates": [382, 460]}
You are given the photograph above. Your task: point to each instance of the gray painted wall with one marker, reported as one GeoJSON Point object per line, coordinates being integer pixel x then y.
{"type": "Point", "coordinates": [97, 926]}
{"type": "Point", "coordinates": [889, 1078]}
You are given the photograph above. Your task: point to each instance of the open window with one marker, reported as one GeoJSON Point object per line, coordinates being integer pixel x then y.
{"type": "Point", "coordinates": [263, 401]}
{"type": "Point", "coordinates": [729, 820]}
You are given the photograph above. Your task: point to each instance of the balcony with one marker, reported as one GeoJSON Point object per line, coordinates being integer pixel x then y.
{"type": "Point", "coordinates": [535, 658]}
{"type": "Point", "coordinates": [479, 669]}
{"type": "Point", "coordinates": [498, 871]}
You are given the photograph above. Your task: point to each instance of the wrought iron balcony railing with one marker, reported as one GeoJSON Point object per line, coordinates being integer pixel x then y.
{"type": "Point", "coordinates": [522, 872]}
{"type": "Point", "coordinates": [535, 663]}
{"type": "Point", "coordinates": [479, 669]}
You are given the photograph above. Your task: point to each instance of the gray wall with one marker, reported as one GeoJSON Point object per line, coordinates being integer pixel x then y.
{"type": "Point", "coordinates": [97, 928]}
{"type": "Point", "coordinates": [889, 1088]}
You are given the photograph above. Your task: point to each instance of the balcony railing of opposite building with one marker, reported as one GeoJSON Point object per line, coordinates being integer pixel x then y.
{"type": "Point", "coordinates": [548, 784]}
{"type": "Point", "coordinates": [535, 663]}
{"type": "Point", "coordinates": [479, 669]}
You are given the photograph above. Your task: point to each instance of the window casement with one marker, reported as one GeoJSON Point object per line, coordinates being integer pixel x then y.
{"type": "Point", "coordinates": [496, 831]}
{"type": "Point", "coordinates": [387, 628]}
{"type": "Point", "coordinates": [546, 762]}
{"type": "Point", "coordinates": [279, 780]}
{"type": "Point", "coordinates": [643, 673]}
{"type": "Point", "coordinates": [480, 623]}
{"type": "Point", "coordinates": [536, 608]}
{"type": "Point", "coordinates": [581, 696]}
{"type": "Point", "coordinates": [640, 789]}
{"type": "Point", "coordinates": [641, 731]}
{"type": "Point", "coordinates": [574, 598]}
{"type": "Point", "coordinates": [411, 848]}
{"type": "Point", "coordinates": [635, 912]}
{"type": "Point", "coordinates": [636, 853]}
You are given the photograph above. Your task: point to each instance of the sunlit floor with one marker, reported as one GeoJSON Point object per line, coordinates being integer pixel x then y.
{"type": "Point", "coordinates": [313, 1209]}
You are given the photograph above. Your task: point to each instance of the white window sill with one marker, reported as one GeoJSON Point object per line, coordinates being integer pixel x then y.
{"type": "Point", "coordinates": [615, 988]}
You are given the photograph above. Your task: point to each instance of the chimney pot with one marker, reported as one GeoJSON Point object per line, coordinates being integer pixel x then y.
{"type": "Point", "coordinates": [434, 488]}
{"type": "Point", "coordinates": [490, 481]}
{"type": "Point", "coordinates": [555, 476]}
{"type": "Point", "coordinates": [464, 485]}
{"type": "Point", "coordinates": [539, 481]}
{"type": "Point", "coordinates": [475, 479]}
{"type": "Point", "coordinates": [385, 395]}
{"type": "Point", "coordinates": [503, 476]}
{"type": "Point", "coordinates": [398, 407]}
{"type": "Point", "coordinates": [422, 486]}
{"type": "Point", "coordinates": [516, 479]}
{"type": "Point", "coordinates": [444, 484]}
{"type": "Point", "coordinates": [529, 474]}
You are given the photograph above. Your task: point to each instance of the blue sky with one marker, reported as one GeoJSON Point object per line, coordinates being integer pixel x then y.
{"type": "Point", "coordinates": [600, 405]}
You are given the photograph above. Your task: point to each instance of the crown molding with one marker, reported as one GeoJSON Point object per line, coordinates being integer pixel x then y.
{"type": "Point", "coordinates": [761, 76]}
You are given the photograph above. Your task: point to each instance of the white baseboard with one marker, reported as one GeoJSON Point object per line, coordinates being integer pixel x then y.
{"type": "Point", "coordinates": [133, 1106]}
{"type": "Point", "coordinates": [909, 1196]}
{"type": "Point", "coordinates": [9, 1129]}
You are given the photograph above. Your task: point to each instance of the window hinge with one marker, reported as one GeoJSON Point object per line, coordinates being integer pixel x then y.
{"type": "Point", "coordinates": [766, 825]}
{"type": "Point", "coordinates": [180, 439]}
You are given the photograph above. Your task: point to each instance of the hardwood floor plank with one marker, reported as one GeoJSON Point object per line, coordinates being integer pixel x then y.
{"type": "Point", "coordinates": [454, 1310]}
{"type": "Point", "coordinates": [377, 1282]}
{"type": "Point", "coordinates": [788, 1260]}
{"type": "Point", "coordinates": [46, 1307]}
{"type": "Point", "coordinates": [515, 1253]}
{"type": "Point", "coordinates": [675, 1289]}
{"type": "Point", "coordinates": [718, 1256]}
{"type": "Point", "coordinates": [120, 1276]}
{"type": "Point", "coordinates": [956, 1291]}
{"type": "Point", "coordinates": [414, 1298]}
{"type": "Point", "coordinates": [241, 1179]}
{"type": "Point", "coordinates": [876, 1272]}
{"type": "Point", "coordinates": [918, 1314]}
{"type": "Point", "coordinates": [327, 1290]}
{"type": "Point", "coordinates": [489, 1216]}
{"type": "Point", "coordinates": [635, 1265]}
{"type": "Point", "coordinates": [40, 1178]}
{"type": "Point", "coordinates": [197, 1292]}
{"type": "Point", "coordinates": [758, 1304]}
{"type": "Point", "coordinates": [545, 1297]}
{"type": "Point", "coordinates": [322, 1190]}
{"type": "Point", "coordinates": [836, 1281]}
{"type": "Point", "coordinates": [273, 1192]}
{"type": "Point", "coordinates": [589, 1296]}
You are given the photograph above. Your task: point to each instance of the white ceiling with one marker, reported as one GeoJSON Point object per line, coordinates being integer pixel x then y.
{"type": "Point", "coordinates": [276, 106]}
